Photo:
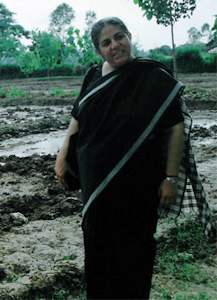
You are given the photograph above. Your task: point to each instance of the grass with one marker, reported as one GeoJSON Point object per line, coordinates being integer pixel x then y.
{"type": "Point", "coordinates": [178, 271]}
{"type": "Point", "coordinates": [199, 94]}
{"type": "Point", "coordinates": [183, 262]}
{"type": "Point", "coordinates": [16, 93]}
{"type": "Point", "coordinates": [59, 92]}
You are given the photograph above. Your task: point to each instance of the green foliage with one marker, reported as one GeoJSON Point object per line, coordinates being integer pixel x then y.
{"type": "Point", "coordinates": [86, 53]}
{"type": "Point", "coordinates": [75, 93]}
{"type": "Point", "coordinates": [27, 62]}
{"type": "Point", "coordinates": [90, 19]}
{"type": "Point", "coordinates": [60, 18]}
{"type": "Point", "coordinates": [195, 35]}
{"type": "Point", "coordinates": [63, 70]}
{"type": "Point", "coordinates": [210, 63]}
{"type": "Point", "coordinates": [6, 18]}
{"type": "Point", "coordinates": [11, 72]}
{"type": "Point", "coordinates": [167, 12]}
{"type": "Point", "coordinates": [177, 253]}
{"type": "Point", "coordinates": [14, 71]}
{"type": "Point", "coordinates": [2, 92]}
{"type": "Point", "coordinates": [38, 73]}
{"type": "Point", "coordinates": [7, 22]}
{"type": "Point", "coordinates": [201, 296]}
{"type": "Point", "coordinates": [49, 55]}
{"type": "Point", "coordinates": [159, 56]}
{"type": "Point", "coordinates": [9, 43]}
{"type": "Point", "coordinates": [61, 294]}
{"type": "Point", "coordinates": [189, 59]}
{"type": "Point", "coordinates": [15, 93]}
{"type": "Point", "coordinates": [214, 28]}
{"type": "Point", "coordinates": [167, 61]}
{"type": "Point", "coordinates": [47, 49]}
{"type": "Point", "coordinates": [57, 92]}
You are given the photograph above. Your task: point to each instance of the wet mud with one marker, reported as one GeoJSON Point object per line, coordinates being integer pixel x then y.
{"type": "Point", "coordinates": [41, 248]}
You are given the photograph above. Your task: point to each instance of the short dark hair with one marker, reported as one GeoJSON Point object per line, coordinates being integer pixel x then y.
{"type": "Point", "coordinates": [98, 26]}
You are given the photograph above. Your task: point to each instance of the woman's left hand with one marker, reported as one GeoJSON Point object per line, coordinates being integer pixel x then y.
{"type": "Point", "coordinates": [167, 192]}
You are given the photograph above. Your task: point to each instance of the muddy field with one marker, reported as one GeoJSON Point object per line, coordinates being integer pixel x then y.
{"type": "Point", "coordinates": [41, 249]}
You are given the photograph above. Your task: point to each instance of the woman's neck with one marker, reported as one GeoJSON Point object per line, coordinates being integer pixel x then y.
{"type": "Point", "coordinates": [107, 68]}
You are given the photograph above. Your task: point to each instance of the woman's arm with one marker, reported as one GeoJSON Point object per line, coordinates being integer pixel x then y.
{"type": "Point", "coordinates": [168, 189]}
{"type": "Point", "coordinates": [61, 165]}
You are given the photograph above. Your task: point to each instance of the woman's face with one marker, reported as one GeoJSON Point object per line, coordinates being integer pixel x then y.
{"type": "Point", "coordinates": [115, 46]}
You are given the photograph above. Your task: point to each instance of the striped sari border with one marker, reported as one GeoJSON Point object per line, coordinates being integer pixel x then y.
{"type": "Point", "coordinates": [134, 147]}
{"type": "Point", "coordinates": [96, 89]}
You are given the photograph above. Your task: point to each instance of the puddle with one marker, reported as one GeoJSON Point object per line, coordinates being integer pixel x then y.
{"type": "Point", "coordinates": [204, 119]}
{"type": "Point", "coordinates": [50, 143]}
{"type": "Point", "coordinates": [40, 144]}
{"type": "Point", "coordinates": [204, 141]}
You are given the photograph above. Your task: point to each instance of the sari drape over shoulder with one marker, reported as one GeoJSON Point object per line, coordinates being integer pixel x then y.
{"type": "Point", "coordinates": [120, 113]}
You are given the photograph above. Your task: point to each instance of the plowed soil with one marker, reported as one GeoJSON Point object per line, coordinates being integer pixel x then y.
{"type": "Point", "coordinates": [41, 248]}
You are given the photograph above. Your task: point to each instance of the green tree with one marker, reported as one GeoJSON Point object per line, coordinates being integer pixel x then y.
{"type": "Point", "coordinates": [10, 34]}
{"type": "Point", "coordinates": [6, 18]}
{"type": "Point", "coordinates": [214, 29]}
{"type": "Point", "coordinates": [82, 41]}
{"type": "Point", "coordinates": [167, 13]}
{"type": "Point", "coordinates": [9, 45]}
{"type": "Point", "coordinates": [7, 22]}
{"type": "Point", "coordinates": [138, 51]}
{"type": "Point", "coordinates": [90, 19]}
{"type": "Point", "coordinates": [47, 49]}
{"type": "Point", "coordinates": [84, 46]}
{"type": "Point", "coordinates": [27, 61]}
{"type": "Point", "coordinates": [196, 35]}
{"type": "Point", "coordinates": [207, 31]}
{"type": "Point", "coordinates": [61, 19]}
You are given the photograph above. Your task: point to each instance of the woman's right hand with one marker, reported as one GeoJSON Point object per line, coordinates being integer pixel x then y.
{"type": "Point", "coordinates": [61, 168]}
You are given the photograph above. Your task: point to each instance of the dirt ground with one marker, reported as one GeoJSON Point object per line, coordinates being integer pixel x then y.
{"type": "Point", "coordinates": [41, 247]}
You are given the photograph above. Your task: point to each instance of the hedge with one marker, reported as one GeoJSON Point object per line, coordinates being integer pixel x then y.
{"type": "Point", "coordinates": [188, 60]}
{"type": "Point", "coordinates": [10, 72]}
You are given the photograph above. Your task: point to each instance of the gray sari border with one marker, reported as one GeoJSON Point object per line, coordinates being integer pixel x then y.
{"type": "Point", "coordinates": [96, 89]}
{"type": "Point", "coordinates": [135, 146]}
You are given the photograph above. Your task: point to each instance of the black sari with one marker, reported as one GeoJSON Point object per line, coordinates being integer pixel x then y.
{"type": "Point", "coordinates": [117, 115]}
{"type": "Point", "coordinates": [123, 118]}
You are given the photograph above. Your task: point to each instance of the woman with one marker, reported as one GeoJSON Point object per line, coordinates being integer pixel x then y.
{"type": "Point", "coordinates": [127, 113]}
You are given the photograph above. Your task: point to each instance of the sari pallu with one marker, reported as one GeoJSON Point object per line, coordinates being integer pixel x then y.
{"type": "Point", "coordinates": [121, 116]}
{"type": "Point", "coordinates": [116, 116]}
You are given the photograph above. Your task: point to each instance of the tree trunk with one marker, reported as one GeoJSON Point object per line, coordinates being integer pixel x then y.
{"type": "Point", "coordinates": [174, 54]}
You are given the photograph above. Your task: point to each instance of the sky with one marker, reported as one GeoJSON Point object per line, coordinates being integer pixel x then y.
{"type": "Point", "coordinates": [34, 14]}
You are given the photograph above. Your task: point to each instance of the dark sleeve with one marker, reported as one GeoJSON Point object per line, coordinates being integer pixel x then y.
{"type": "Point", "coordinates": [74, 111]}
{"type": "Point", "coordinates": [173, 114]}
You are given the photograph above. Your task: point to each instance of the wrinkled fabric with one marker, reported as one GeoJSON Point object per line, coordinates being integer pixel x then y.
{"type": "Point", "coordinates": [117, 114]}
{"type": "Point", "coordinates": [123, 119]}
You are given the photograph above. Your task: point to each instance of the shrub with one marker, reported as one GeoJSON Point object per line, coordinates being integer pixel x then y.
{"type": "Point", "coordinates": [189, 59]}
{"type": "Point", "coordinates": [210, 63]}
{"type": "Point", "coordinates": [39, 73]}
{"type": "Point", "coordinates": [11, 72]}
{"type": "Point", "coordinates": [166, 60]}
{"type": "Point", "coordinates": [62, 70]}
